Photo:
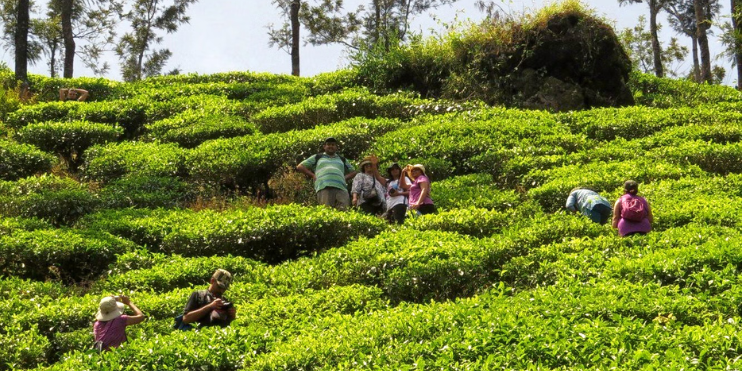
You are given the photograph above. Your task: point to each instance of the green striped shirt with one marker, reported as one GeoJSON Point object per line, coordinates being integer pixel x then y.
{"type": "Point", "coordinates": [330, 171]}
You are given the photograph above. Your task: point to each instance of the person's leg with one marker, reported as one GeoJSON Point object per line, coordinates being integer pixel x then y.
{"type": "Point", "coordinates": [325, 197]}
{"type": "Point", "coordinates": [342, 199]}
{"type": "Point", "coordinates": [593, 215]}
{"type": "Point", "coordinates": [606, 213]}
{"type": "Point", "coordinates": [427, 209]}
{"type": "Point", "coordinates": [399, 212]}
{"type": "Point", "coordinates": [367, 208]}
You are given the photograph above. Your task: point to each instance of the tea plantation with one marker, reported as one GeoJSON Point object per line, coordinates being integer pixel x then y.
{"type": "Point", "coordinates": [148, 187]}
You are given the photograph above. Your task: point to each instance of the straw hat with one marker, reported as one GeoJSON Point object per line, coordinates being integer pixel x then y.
{"type": "Point", "coordinates": [109, 309]}
{"type": "Point", "coordinates": [420, 167]}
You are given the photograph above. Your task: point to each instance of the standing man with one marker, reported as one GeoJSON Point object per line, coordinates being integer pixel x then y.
{"type": "Point", "coordinates": [330, 173]}
{"type": "Point", "coordinates": [208, 307]}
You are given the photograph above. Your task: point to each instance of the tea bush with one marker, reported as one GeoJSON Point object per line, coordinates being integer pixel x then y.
{"type": "Point", "coordinates": [105, 163]}
{"type": "Point", "coordinates": [475, 190]}
{"type": "Point", "coordinates": [22, 160]}
{"type": "Point", "coordinates": [146, 192]}
{"type": "Point", "coordinates": [68, 139]}
{"type": "Point", "coordinates": [59, 201]}
{"type": "Point", "coordinates": [59, 254]}
{"type": "Point", "coordinates": [191, 131]}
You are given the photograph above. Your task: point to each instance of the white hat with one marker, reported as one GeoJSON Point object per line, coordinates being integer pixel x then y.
{"type": "Point", "coordinates": [109, 309]}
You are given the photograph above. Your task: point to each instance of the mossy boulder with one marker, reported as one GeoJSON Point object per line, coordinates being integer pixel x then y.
{"type": "Point", "coordinates": [561, 58]}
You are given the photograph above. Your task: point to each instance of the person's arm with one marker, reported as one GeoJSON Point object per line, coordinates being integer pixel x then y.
{"type": "Point", "coordinates": [306, 171]}
{"type": "Point", "coordinates": [138, 316]}
{"type": "Point", "coordinates": [83, 95]}
{"type": "Point", "coordinates": [380, 178]}
{"type": "Point", "coordinates": [403, 181]}
{"type": "Point", "coordinates": [62, 94]}
{"type": "Point", "coordinates": [193, 315]}
{"type": "Point", "coordinates": [350, 172]}
{"type": "Point", "coordinates": [616, 213]}
{"type": "Point", "coordinates": [355, 189]}
{"type": "Point", "coordinates": [571, 200]}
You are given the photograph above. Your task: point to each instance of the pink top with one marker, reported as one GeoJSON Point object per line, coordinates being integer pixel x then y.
{"type": "Point", "coordinates": [112, 333]}
{"type": "Point", "coordinates": [627, 226]}
{"type": "Point", "coordinates": [416, 190]}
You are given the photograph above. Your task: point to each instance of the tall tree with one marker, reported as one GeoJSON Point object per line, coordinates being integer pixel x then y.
{"type": "Point", "coordinates": [736, 41]}
{"type": "Point", "coordinates": [21, 41]}
{"type": "Point", "coordinates": [135, 49]}
{"type": "Point", "coordinates": [682, 18]}
{"type": "Point", "coordinates": [655, 6]}
{"type": "Point", "coordinates": [380, 22]}
{"type": "Point", "coordinates": [702, 25]}
{"type": "Point", "coordinates": [287, 37]}
{"type": "Point", "coordinates": [69, 38]}
{"type": "Point", "coordinates": [637, 42]}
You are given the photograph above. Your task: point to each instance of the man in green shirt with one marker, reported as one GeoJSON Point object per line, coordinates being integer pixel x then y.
{"type": "Point", "coordinates": [330, 173]}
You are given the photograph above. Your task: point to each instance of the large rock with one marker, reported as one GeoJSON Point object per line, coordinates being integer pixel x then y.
{"type": "Point", "coordinates": [580, 64]}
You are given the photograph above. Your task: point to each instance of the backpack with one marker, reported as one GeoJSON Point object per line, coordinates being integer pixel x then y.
{"type": "Point", "coordinates": [632, 209]}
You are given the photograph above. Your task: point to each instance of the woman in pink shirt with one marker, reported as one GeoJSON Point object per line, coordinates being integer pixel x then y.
{"type": "Point", "coordinates": [631, 213]}
{"type": "Point", "coordinates": [110, 328]}
{"type": "Point", "coordinates": [420, 200]}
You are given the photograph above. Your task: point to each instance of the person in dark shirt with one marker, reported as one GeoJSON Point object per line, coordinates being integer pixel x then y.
{"type": "Point", "coordinates": [208, 307]}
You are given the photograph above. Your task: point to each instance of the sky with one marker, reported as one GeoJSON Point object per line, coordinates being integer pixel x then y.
{"type": "Point", "coordinates": [231, 35]}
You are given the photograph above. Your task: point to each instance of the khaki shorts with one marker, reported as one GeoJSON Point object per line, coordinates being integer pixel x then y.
{"type": "Point", "coordinates": [334, 197]}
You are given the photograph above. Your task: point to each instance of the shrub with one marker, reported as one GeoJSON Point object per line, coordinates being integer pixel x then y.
{"type": "Point", "coordinates": [192, 128]}
{"type": "Point", "coordinates": [271, 235]}
{"type": "Point", "coordinates": [332, 108]}
{"type": "Point", "coordinates": [147, 192]}
{"type": "Point", "coordinates": [473, 190]}
{"type": "Point", "coordinates": [22, 160]}
{"type": "Point", "coordinates": [112, 161]}
{"type": "Point", "coordinates": [653, 91]}
{"type": "Point", "coordinates": [473, 221]}
{"type": "Point", "coordinates": [59, 201]}
{"type": "Point", "coordinates": [63, 254]}
{"type": "Point", "coordinates": [68, 139]}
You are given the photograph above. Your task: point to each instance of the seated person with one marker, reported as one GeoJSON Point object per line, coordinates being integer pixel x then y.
{"type": "Point", "coordinates": [208, 307]}
{"type": "Point", "coordinates": [79, 95]}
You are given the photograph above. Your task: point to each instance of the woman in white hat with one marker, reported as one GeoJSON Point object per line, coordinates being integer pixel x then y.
{"type": "Point", "coordinates": [110, 328]}
{"type": "Point", "coordinates": [368, 188]}
{"type": "Point", "coordinates": [420, 200]}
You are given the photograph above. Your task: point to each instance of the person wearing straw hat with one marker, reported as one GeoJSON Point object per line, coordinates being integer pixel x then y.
{"type": "Point", "coordinates": [420, 200]}
{"type": "Point", "coordinates": [368, 187]}
{"type": "Point", "coordinates": [109, 329]}
{"type": "Point", "coordinates": [330, 173]}
{"type": "Point", "coordinates": [208, 307]}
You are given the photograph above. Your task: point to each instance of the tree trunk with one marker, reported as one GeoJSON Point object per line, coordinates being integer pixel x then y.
{"type": "Point", "coordinates": [696, 65]}
{"type": "Point", "coordinates": [703, 42]}
{"type": "Point", "coordinates": [21, 42]}
{"type": "Point", "coordinates": [736, 18]}
{"type": "Point", "coordinates": [654, 8]}
{"type": "Point", "coordinates": [295, 5]}
{"type": "Point", "coordinates": [69, 40]}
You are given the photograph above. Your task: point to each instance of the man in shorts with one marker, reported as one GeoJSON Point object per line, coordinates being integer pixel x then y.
{"type": "Point", "coordinates": [330, 173]}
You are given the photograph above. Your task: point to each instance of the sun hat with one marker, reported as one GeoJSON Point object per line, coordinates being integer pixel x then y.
{"type": "Point", "coordinates": [420, 167]}
{"type": "Point", "coordinates": [109, 309]}
{"type": "Point", "coordinates": [223, 278]}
